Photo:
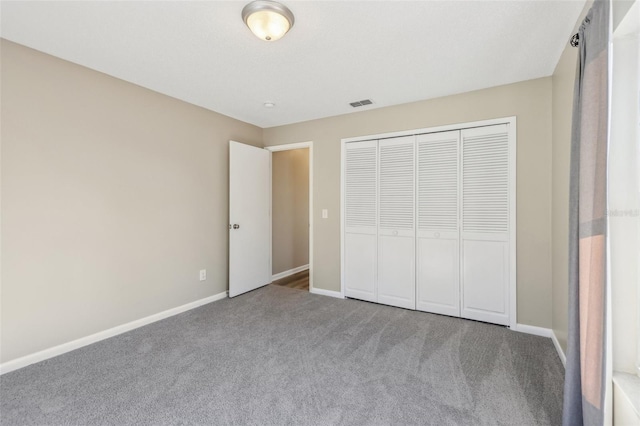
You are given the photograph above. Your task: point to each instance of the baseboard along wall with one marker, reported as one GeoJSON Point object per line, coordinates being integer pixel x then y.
{"type": "Point", "coordinates": [532, 329]}
{"type": "Point", "coordinates": [556, 343]}
{"type": "Point", "coordinates": [329, 293]}
{"type": "Point", "coordinates": [544, 332]}
{"type": "Point", "coordinates": [26, 360]}
{"type": "Point", "coordinates": [284, 274]}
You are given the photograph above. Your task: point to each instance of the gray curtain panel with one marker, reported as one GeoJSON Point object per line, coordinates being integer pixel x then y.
{"type": "Point", "coordinates": [584, 387]}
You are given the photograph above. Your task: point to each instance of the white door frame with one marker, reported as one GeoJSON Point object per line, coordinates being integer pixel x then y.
{"type": "Point", "coordinates": [289, 147]}
{"type": "Point", "coordinates": [512, 123]}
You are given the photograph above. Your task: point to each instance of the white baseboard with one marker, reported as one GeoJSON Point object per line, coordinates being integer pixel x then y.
{"type": "Point", "coordinates": [561, 354]}
{"type": "Point", "coordinates": [532, 329]}
{"type": "Point", "coordinates": [329, 293]}
{"type": "Point", "coordinates": [285, 274]}
{"type": "Point", "coordinates": [544, 332]}
{"type": "Point", "coordinates": [21, 362]}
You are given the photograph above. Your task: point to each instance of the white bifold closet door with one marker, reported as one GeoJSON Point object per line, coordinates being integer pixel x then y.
{"type": "Point", "coordinates": [427, 222]}
{"type": "Point", "coordinates": [485, 212]}
{"type": "Point", "coordinates": [438, 253]}
{"type": "Point", "coordinates": [360, 219]}
{"type": "Point", "coordinates": [396, 226]}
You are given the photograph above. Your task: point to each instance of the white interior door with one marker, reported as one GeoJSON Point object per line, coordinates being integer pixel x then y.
{"type": "Point", "coordinates": [437, 281]}
{"type": "Point", "coordinates": [396, 229]}
{"type": "Point", "coordinates": [486, 211]}
{"type": "Point", "coordinates": [360, 204]}
{"type": "Point", "coordinates": [249, 218]}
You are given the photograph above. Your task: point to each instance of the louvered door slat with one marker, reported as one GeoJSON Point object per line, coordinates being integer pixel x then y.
{"type": "Point", "coordinates": [396, 184]}
{"type": "Point", "coordinates": [485, 183]}
{"type": "Point", "coordinates": [438, 181]}
{"type": "Point", "coordinates": [360, 185]}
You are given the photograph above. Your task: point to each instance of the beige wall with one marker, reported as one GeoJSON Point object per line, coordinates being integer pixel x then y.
{"type": "Point", "coordinates": [113, 197]}
{"type": "Point", "coordinates": [563, 82]}
{"type": "Point", "coordinates": [530, 101]}
{"type": "Point", "coordinates": [290, 209]}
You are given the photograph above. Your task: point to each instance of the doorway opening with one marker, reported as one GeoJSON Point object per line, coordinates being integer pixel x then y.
{"type": "Point", "coordinates": [291, 215]}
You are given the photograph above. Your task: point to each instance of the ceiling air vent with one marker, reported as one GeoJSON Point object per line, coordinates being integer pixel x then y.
{"type": "Point", "coordinates": [361, 103]}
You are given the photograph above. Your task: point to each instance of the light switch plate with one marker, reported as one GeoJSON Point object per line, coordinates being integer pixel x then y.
{"type": "Point", "coordinates": [325, 213]}
{"type": "Point", "coordinates": [203, 274]}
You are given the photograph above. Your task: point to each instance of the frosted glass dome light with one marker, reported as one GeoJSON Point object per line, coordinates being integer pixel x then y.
{"type": "Point", "coordinates": [268, 20]}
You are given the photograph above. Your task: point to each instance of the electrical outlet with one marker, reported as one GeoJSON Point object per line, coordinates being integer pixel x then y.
{"type": "Point", "coordinates": [203, 274]}
{"type": "Point", "coordinates": [325, 213]}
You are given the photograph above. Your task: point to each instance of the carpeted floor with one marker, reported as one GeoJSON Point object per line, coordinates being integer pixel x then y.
{"type": "Point", "coordinates": [280, 356]}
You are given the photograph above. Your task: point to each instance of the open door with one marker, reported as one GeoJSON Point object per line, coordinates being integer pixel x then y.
{"type": "Point", "coordinates": [249, 218]}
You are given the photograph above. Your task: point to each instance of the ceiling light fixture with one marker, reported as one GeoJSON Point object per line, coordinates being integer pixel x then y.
{"type": "Point", "coordinates": [269, 104]}
{"type": "Point", "coordinates": [268, 20]}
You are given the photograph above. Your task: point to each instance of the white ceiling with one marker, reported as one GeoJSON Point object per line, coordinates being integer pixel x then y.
{"type": "Point", "coordinates": [392, 52]}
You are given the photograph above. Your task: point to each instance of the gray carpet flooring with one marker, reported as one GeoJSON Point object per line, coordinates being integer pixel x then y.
{"type": "Point", "coordinates": [280, 356]}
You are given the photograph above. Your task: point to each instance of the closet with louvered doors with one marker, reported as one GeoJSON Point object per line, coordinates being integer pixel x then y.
{"type": "Point", "coordinates": [429, 221]}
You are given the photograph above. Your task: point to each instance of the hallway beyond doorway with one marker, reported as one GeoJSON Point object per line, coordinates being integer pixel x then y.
{"type": "Point", "coordinates": [299, 281]}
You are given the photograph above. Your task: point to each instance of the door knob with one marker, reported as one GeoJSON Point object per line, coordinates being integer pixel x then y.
{"type": "Point", "coordinates": [236, 226]}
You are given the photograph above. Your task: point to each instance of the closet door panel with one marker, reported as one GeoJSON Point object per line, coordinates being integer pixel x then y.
{"type": "Point", "coordinates": [396, 230]}
{"type": "Point", "coordinates": [360, 220]}
{"type": "Point", "coordinates": [438, 284]}
{"type": "Point", "coordinates": [486, 275]}
{"type": "Point", "coordinates": [486, 213]}
{"type": "Point", "coordinates": [396, 267]}
{"type": "Point", "coordinates": [360, 267]}
{"type": "Point", "coordinates": [438, 265]}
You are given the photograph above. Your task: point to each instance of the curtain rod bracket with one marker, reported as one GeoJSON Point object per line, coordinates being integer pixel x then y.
{"type": "Point", "coordinates": [575, 40]}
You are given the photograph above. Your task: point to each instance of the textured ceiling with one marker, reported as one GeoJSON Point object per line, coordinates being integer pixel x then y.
{"type": "Point", "coordinates": [392, 52]}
